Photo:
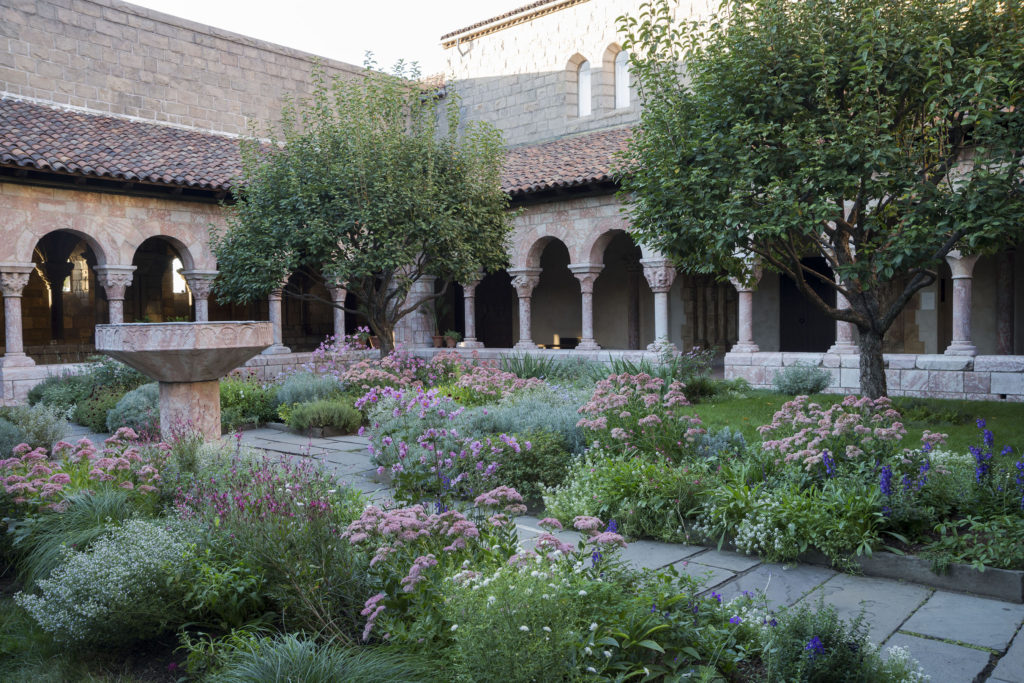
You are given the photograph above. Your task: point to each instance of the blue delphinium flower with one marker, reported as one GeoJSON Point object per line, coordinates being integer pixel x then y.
{"type": "Point", "coordinates": [885, 483]}
{"type": "Point", "coordinates": [981, 423]}
{"type": "Point", "coordinates": [735, 619]}
{"type": "Point", "coordinates": [830, 464]}
{"type": "Point", "coordinates": [717, 596]}
{"type": "Point", "coordinates": [595, 558]}
{"type": "Point", "coordinates": [613, 527]}
{"type": "Point", "coordinates": [815, 647]}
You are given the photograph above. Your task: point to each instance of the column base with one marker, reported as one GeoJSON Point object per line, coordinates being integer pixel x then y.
{"type": "Point", "coordinates": [961, 349]}
{"type": "Point", "coordinates": [844, 348]}
{"type": "Point", "coordinates": [16, 360]}
{"type": "Point", "coordinates": [276, 349]}
{"type": "Point", "coordinates": [524, 345]}
{"type": "Point", "coordinates": [588, 345]}
{"type": "Point", "coordinates": [741, 347]}
{"type": "Point", "coordinates": [470, 344]}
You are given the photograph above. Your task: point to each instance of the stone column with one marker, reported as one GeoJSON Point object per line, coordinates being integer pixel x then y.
{"type": "Point", "coordinates": [338, 294]}
{"type": "Point", "coordinates": [416, 330]}
{"type": "Point", "coordinates": [13, 278]}
{"type": "Point", "coordinates": [745, 316]}
{"type": "Point", "coordinates": [200, 282]}
{"type": "Point", "coordinates": [660, 274]}
{"type": "Point", "coordinates": [276, 316]}
{"type": "Point", "coordinates": [525, 280]}
{"type": "Point", "coordinates": [963, 269]}
{"type": "Point", "coordinates": [469, 302]}
{"type": "Point", "coordinates": [844, 330]}
{"type": "Point", "coordinates": [114, 280]}
{"type": "Point", "coordinates": [587, 274]}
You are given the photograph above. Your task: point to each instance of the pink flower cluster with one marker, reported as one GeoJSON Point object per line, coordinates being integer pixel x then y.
{"type": "Point", "coordinates": [640, 412]}
{"type": "Point", "coordinates": [32, 478]}
{"type": "Point", "coordinates": [489, 383]}
{"type": "Point", "coordinates": [856, 426]}
{"type": "Point", "coordinates": [393, 529]}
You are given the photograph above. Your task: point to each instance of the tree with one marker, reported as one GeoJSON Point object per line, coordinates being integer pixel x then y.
{"type": "Point", "coordinates": [366, 190]}
{"type": "Point", "coordinates": [879, 135]}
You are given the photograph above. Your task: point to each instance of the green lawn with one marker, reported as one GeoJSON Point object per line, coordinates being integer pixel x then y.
{"type": "Point", "coordinates": [956, 418]}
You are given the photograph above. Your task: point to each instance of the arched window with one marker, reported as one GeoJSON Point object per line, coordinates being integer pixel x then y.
{"type": "Point", "coordinates": [622, 80]}
{"type": "Point", "coordinates": [178, 285]}
{"type": "Point", "coordinates": [583, 89]}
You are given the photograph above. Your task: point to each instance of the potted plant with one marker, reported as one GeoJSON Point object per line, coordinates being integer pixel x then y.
{"type": "Point", "coordinates": [451, 338]}
{"type": "Point", "coordinates": [365, 338]}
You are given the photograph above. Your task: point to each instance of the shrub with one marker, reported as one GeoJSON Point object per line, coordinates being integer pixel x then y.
{"type": "Point", "coordinates": [92, 411]}
{"type": "Point", "coordinates": [118, 591]}
{"type": "Point", "coordinates": [138, 409]}
{"type": "Point", "coordinates": [306, 387]}
{"type": "Point", "coordinates": [546, 408]}
{"type": "Point", "coordinates": [336, 413]}
{"type": "Point", "coordinates": [63, 391]}
{"type": "Point", "coordinates": [10, 436]}
{"type": "Point", "coordinates": [543, 464]}
{"type": "Point", "coordinates": [801, 380]}
{"type": "Point", "coordinates": [292, 657]}
{"type": "Point", "coordinates": [483, 384]}
{"type": "Point", "coordinates": [721, 445]}
{"type": "Point", "coordinates": [43, 425]}
{"type": "Point", "coordinates": [246, 400]}
{"type": "Point", "coordinates": [107, 372]}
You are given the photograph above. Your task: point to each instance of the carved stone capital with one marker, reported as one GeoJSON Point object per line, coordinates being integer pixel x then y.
{"type": "Point", "coordinates": [14, 277]}
{"type": "Point", "coordinates": [338, 294]}
{"type": "Point", "coordinates": [660, 274]}
{"type": "Point", "coordinates": [200, 282]}
{"type": "Point", "coordinates": [962, 265]}
{"type": "Point", "coordinates": [587, 274]}
{"type": "Point", "coordinates": [525, 280]}
{"type": "Point", "coordinates": [114, 279]}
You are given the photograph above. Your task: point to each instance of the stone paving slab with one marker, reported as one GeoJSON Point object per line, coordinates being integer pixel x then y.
{"type": "Point", "coordinates": [655, 555]}
{"type": "Point", "coordinates": [783, 585]}
{"type": "Point", "coordinates": [711, 577]}
{"type": "Point", "coordinates": [968, 619]}
{"type": "Point", "coordinates": [1011, 666]}
{"type": "Point", "coordinates": [886, 603]}
{"type": "Point", "coordinates": [944, 662]}
{"type": "Point", "coordinates": [724, 559]}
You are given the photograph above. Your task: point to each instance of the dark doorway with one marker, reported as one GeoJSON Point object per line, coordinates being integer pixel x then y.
{"type": "Point", "coordinates": [496, 311]}
{"type": "Point", "coordinates": [802, 325]}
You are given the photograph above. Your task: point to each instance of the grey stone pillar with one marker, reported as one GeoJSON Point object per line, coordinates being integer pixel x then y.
{"type": "Point", "coordinates": [963, 269]}
{"type": "Point", "coordinates": [587, 274]}
{"type": "Point", "coordinates": [200, 282]}
{"type": "Point", "coordinates": [276, 315]}
{"type": "Point", "coordinates": [745, 316]}
{"type": "Point", "coordinates": [114, 280]}
{"type": "Point", "coordinates": [660, 275]}
{"type": "Point", "coordinates": [525, 280]}
{"type": "Point", "coordinates": [469, 302]}
{"type": "Point", "coordinates": [338, 294]}
{"type": "Point", "coordinates": [844, 330]}
{"type": "Point", "coordinates": [13, 278]}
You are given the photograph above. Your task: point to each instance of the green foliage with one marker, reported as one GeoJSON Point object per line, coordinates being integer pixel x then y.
{"type": "Point", "coordinates": [292, 657]}
{"type": "Point", "coordinates": [553, 369]}
{"type": "Point", "coordinates": [246, 400]}
{"type": "Point", "coordinates": [850, 142]}
{"type": "Point", "coordinates": [993, 542]}
{"type": "Point", "coordinates": [544, 464]}
{"type": "Point", "coordinates": [92, 411]}
{"type": "Point", "coordinates": [10, 436]}
{"type": "Point", "coordinates": [336, 413]}
{"type": "Point", "coordinates": [138, 409]}
{"type": "Point", "coordinates": [367, 189]}
{"type": "Point", "coordinates": [812, 644]}
{"type": "Point", "coordinates": [543, 408]}
{"type": "Point", "coordinates": [799, 379]}
{"type": "Point", "coordinates": [225, 595]}
{"type": "Point", "coordinates": [42, 425]}
{"type": "Point", "coordinates": [63, 391]}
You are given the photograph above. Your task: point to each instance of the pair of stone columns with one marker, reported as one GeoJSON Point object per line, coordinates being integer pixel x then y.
{"type": "Point", "coordinates": [114, 280]}
{"type": "Point", "coordinates": [660, 275]}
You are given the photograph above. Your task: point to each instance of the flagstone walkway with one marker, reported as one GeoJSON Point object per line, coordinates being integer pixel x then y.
{"type": "Point", "coordinates": [957, 638]}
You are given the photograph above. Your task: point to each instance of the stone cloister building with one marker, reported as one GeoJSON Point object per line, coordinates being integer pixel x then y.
{"type": "Point", "coordinates": [118, 141]}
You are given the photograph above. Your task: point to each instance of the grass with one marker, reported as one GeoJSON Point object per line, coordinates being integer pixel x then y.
{"type": "Point", "coordinates": [953, 417]}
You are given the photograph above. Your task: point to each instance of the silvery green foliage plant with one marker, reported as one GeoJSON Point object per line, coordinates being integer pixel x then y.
{"type": "Point", "coordinates": [551, 408]}
{"type": "Point", "coordinates": [138, 409]}
{"type": "Point", "coordinates": [305, 387]}
{"type": "Point", "coordinates": [120, 590]}
{"type": "Point", "coordinates": [797, 380]}
{"type": "Point", "coordinates": [43, 425]}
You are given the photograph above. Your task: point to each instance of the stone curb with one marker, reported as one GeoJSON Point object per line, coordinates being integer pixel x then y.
{"type": "Point", "coordinates": [1001, 584]}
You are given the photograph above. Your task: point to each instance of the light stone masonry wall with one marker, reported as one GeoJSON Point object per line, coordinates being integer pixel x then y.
{"type": "Point", "coordinates": [113, 57]}
{"type": "Point", "coordinates": [523, 80]}
{"type": "Point", "coordinates": [987, 378]}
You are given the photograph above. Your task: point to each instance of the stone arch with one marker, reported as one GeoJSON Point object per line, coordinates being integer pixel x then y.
{"type": "Point", "coordinates": [579, 86]}
{"type": "Point", "coordinates": [158, 292]}
{"type": "Point", "coordinates": [556, 304]}
{"type": "Point", "coordinates": [623, 302]}
{"type": "Point", "coordinates": [306, 321]}
{"type": "Point", "coordinates": [99, 249]}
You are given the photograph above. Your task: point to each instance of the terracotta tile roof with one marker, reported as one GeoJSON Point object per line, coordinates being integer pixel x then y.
{"type": "Point", "coordinates": [563, 163]}
{"type": "Point", "coordinates": [500, 17]}
{"type": "Point", "coordinates": [50, 139]}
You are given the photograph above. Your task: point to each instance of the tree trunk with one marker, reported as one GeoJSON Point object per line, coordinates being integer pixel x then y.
{"type": "Point", "coordinates": [386, 333]}
{"type": "Point", "coordinates": [872, 365]}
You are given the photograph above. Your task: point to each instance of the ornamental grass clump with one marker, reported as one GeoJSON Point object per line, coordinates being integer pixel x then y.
{"type": "Point", "coordinates": [640, 413]}
{"type": "Point", "coordinates": [121, 590]}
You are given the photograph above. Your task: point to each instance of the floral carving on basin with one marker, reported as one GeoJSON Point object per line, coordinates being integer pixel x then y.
{"type": "Point", "coordinates": [184, 352]}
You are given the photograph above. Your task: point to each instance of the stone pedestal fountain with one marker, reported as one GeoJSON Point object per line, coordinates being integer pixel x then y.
{"type": "Point", "coordinates": [188, 360]}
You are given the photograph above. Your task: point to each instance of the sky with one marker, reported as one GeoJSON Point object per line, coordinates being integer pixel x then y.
{"type": "Point", "coordinates": [345, 29]}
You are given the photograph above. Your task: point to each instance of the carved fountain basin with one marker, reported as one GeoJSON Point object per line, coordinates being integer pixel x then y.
{"type": "Point", "coordinates": [188, 360]}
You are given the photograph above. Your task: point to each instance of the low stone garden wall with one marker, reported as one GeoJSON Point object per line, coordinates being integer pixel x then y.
{"type": "Point", "coordinates": [987, 378]}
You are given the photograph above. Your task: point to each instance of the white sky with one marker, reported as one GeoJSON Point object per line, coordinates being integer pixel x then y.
{"type": "Point", "coordinates": [345, 29]}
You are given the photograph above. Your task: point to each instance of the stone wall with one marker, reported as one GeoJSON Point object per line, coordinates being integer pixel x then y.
{"type": "Point", "coordinates": [522, 78]}
{"type": "Point", "coordinates": [113, 57]}
{"type": "Point", "coordinates": [987, 378]}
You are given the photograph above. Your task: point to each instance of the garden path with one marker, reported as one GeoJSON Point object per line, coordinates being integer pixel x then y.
{"type": "Point", "coordinates": [958, 638]}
